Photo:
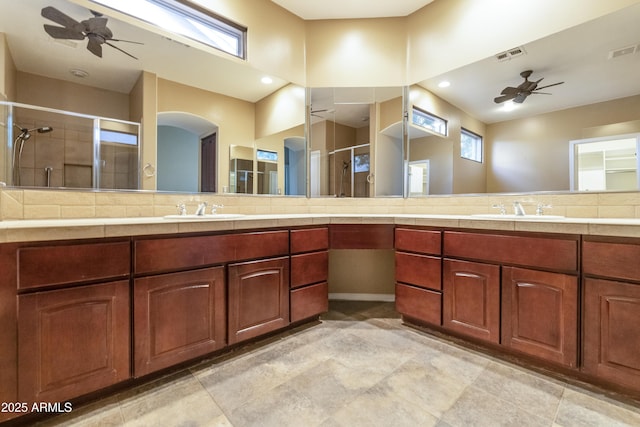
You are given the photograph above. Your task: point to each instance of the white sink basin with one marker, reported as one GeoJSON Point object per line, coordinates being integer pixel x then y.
{"type": "Point", "coordinates": [521, 217]}
{"type": "Point", "coordinates": [204, 217]}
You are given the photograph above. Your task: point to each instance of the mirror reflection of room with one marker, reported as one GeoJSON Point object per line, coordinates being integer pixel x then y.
{"type": "Point", "coordinates": [350, 128]}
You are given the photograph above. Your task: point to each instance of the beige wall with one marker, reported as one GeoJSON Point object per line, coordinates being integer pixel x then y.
{"type": "Point", "coordinates": [450, 173]}
{"type": "Point", "coordinates": [143, 109]}
{"type": "Point", "coordinates": [7, 71]}
{"type": "Point", "coordinates": [356, 52]}
{"type": "Point", "coordinates": [445, 35]}
{"type": "Point", "coordinates": [235, 118]}
{"type": "Point", "coordinates": [63, 95]}
{"type": "Point", "coordinates": [282, 110]}
{"type": "Point", "coordinates": [532, 154]}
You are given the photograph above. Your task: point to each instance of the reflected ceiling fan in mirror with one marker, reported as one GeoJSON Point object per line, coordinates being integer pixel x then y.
{"type": "Point", "coordinates": [94, 29]}
{"type": "Point", "coordinates": [526, 88]}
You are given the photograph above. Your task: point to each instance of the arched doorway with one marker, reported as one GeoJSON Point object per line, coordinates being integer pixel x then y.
{"type": "Point", "coordinates": [187, 153]}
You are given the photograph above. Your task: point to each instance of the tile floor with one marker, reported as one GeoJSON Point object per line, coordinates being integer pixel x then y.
{"type": "Point", "coordinates": [358, 367]}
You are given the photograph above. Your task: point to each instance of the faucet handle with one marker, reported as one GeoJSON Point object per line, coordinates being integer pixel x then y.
{"type": "Point", "coordinates": [182, 209]}
{"type": "Point", "coordinates": [541, 207]}
{"type": "Point", "coordinates": [215, 207]}
{"type": "Point", "coordinates": [503, 210]}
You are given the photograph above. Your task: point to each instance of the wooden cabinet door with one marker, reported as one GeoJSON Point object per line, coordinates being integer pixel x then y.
{"type": "Point", "coordinates": [258, 298]}
{"type": "Point", "coordinates": [471, 299]}
{"type": "Point", "coordinates": [540, 314]}
{"type": "Point", "coordinates": [178, 317]}
{"type": "Point", "coordinates": [72, 341]}
{"type": "Point", "coordinates": [611, 333]}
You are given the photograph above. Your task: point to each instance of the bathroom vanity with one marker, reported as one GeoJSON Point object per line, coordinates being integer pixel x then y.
{"type": "Point", "coordinates": [84, 315]}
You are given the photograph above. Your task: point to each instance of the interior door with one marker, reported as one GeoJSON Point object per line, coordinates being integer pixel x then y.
{"type": "Point", "coordinates": [208, 162]}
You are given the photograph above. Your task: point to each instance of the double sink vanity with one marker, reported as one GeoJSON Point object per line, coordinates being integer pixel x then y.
{"type": "Point", "coordinates": [96, 304]}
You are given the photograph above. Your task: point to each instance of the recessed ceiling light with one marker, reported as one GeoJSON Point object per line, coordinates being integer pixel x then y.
{"type": "Point", "coordinates": [267, 80]}
{"type": "Point", "coordinates": [444, 83]}
{"type": "Point", "coordinates": [77, 72]}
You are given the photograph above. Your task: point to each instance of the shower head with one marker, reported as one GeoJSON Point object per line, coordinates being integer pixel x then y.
{"type": "Point", "coordinates": [26, 133]}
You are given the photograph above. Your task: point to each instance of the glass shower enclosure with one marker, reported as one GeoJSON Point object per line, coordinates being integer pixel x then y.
{"type": "Point", "coordinates": [43, 147]}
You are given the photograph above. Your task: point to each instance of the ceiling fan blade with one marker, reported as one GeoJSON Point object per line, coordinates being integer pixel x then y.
{"type": "Point", "coordinates": [63, 32]}
{"type": "Point", "coordinates": [116, 47]}
{"type": "Point", "coordinates": [94, 46]}
{"type": "Point", "coordinates": [504, 98]}
{"type": "Point", "coordinates": [58, 17]}
{"type": "Point", "coordinates": [96, 25]}
{"type": "Point", "coordinates": [521, 97]}
{"type": "Point", "coordinates": [510, 90]}
{"type": "Point", "coordinates": [554, 84]}
{"type": "Point", "coordinates": [125, 41]}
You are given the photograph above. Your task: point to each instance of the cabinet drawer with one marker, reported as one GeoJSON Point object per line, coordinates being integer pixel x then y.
{"type": "Point", "coordinates": [309, 268]}
{"type": "Point", "coordinates": [420, 241]}
{"type": "Point", "coordinates": [361, 236]}
{"type": "Point", "coordinates": [64, 264]}
{"type": "Point", "coordinates": [419, 270]}
{"type": "Point", "coordinates": [309, 239]}
{"type": "Point", "coordinates": [616, 260]}
{"type": "Point", "coordinates": [418, 303]}
{"type": "Point", "coordinates": [171, 254]}
{"type": "Point", "coordinates": [539, 252]}
{"type": "Point", "coordinates": [177, 317]}
{"type": "Point", "coordinates": [309, 301]}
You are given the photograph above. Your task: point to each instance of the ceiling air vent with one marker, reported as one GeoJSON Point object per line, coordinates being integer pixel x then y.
{"type": "Point", "coordinates": [511, 53]}
{"type": "Point", "coordinates": [623, 51]}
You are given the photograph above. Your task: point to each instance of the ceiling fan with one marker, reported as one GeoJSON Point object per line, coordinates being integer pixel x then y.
{"type": "Point", "coordinates": [94, 29]}
{"type": "Point", "coordinates": [526, 88]}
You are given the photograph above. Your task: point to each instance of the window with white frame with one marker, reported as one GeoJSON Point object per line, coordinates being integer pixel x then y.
{"type": "Point", "coordinates": [470, 146]}
{"type": "Point", "coordinates": [429, 121]}
{"type": "Point", "coordinates": [188, 20]}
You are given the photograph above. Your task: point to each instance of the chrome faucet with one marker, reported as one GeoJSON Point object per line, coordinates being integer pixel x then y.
{"type": "Point", "coordinates": [201, 207]}
{"type": "Point", "coordinates": [518, 210]}
{"type": "Point", "coordinates": [182, 209]}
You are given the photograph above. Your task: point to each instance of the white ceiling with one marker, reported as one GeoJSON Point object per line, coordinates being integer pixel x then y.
{"type": "Point", "coordinates": [578, 56]}
{"type": "Point", "coordinates": [343, 9]}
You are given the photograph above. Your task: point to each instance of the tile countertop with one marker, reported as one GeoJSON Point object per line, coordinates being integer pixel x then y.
{"type": "Point", "coordinates": [60, 229]}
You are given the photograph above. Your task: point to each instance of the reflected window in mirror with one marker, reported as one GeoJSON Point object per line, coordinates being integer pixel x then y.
{"type": "Point", "coordinates": [267, 172]}
{"type": "Point", "coordinates": [470, 145]}
{"type": "Point", "coordinates": [429, 121]}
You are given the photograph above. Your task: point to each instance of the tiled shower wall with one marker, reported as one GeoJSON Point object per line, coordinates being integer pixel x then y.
{"type": "Point", "coordinates": [67, 152]}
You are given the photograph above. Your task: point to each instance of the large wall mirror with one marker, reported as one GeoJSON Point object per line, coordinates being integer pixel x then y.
{"type": "Point", "coordinates": [357, 146]}
{"type": "Point", "coordinates": [526, 146]}
{"type": "Point", "coordinates": [356, 141]}
{"type": "Point", "coordinates": [205, 104]}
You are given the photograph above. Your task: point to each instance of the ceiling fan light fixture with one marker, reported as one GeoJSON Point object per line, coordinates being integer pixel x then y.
{"type": "Point", "coordinates": [79, 73]}
{"type": "Point", "coordinates": [508, 106]}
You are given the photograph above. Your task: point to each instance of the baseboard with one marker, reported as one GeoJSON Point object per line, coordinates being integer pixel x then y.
{"type": "Point", "coordinates": [362, 297]}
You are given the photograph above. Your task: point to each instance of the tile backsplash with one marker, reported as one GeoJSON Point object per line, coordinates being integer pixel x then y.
{"type": "Point", "coordinates": [18, 204]}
